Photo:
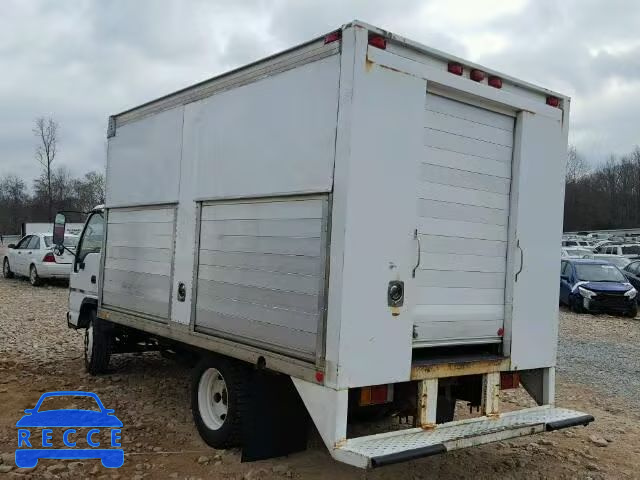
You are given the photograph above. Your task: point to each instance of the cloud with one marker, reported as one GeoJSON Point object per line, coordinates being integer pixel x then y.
{"type": "Point", "coordinates": [81, 61]}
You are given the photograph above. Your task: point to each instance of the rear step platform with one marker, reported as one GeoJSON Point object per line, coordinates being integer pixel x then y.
{"type": "Point", "coordinates": [400, 446]}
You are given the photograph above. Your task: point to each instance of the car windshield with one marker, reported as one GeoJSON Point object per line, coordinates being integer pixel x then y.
{"type": "Point", "coordinates": [69, 241]}
{"type": "Point", "coordinates": [592, 272]}
{"type": "Point", "coordinates": [631, 250]}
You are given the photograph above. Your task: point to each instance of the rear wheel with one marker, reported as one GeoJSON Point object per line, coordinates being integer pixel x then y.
{"type": "Point", "coordinates": [6, 269]}
{"type": "Point", "coordinates": [219, 392]}
{"type": "Point", "coordinates": [97, 345]}
{"type": "Point", "coordinates": [34, 278]}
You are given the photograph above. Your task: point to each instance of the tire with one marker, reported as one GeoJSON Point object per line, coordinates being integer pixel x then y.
{"type": "Point", "coordinates": [34, 278]}
{"type": "Point", "coordinates": [6, 269]}
{"type": "Point", "coordinates": [445, 409]}
{"type": "Point", "coordinates": [576, 305]}
{"type": "Point", "coordinates": [633, 313]}
{"type": "Point", "coordinates": [216, 380]}
{"type": "Point", "coordinates": [97, 345]}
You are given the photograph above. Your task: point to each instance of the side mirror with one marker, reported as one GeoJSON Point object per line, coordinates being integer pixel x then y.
{"type": "Point", "coordinates": [59, 226]}
{"type": "Point", "coordinates": [564, 277]}
{"type": "Point", "coordinates": [11, 245]}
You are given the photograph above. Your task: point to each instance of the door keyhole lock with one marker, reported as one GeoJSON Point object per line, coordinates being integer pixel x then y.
{"type": "Point", "coordinates": [182, 292]}
{"type": "Point", "coordinates": [395, 296]}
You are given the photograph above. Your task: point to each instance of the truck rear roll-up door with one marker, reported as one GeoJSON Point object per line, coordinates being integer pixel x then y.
{"type": "Point", "coordinates": [462, 219]}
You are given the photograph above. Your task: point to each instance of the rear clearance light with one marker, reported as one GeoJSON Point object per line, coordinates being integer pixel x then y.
{"type": "Point", "coordinates": [376, 395]}
{"type": "Point", "coordinates": [49, 258]}
{"type": "Point", "coordinates": [476, 75]}
{"type": "Point", "coordinates": [509, 380]}
{"type": "Point", "coordinates": [455, 68]}
{"type": "Point", "coordinates": [553, 101]}
{"type": "Point", "coordinates": [378, 42]}
{"type": "Point", "coordinates": [333, 37]}
{"type": "Point", "coordinates": [495, 82]}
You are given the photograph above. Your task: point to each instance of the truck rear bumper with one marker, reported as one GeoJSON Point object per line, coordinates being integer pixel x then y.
{"type": "Point", "coordinates": [399, 446]}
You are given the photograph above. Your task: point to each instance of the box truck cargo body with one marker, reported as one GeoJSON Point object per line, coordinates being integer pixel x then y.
{"type": "Point", "coordinates": [373, 218]}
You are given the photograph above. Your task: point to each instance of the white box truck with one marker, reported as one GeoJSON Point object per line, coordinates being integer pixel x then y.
{"type": "Point", "coordinates": [358, 227]}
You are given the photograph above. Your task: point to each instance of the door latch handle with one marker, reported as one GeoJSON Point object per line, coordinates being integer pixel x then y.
{"type": "Point", "coordinates": [93, 279]}
{"type": "Point", "coordinates": [182, 292]}
{"type": "Point", "coordinates": [521, 259]}
{"type": "Point", "coordinates": [417, 238]}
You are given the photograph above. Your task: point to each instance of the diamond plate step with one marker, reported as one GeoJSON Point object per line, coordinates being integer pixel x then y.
{"type": "Point", "coordinates": [393, 447]}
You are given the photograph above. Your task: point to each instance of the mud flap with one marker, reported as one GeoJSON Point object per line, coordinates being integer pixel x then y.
{"type": "Point", "coordinates": [276, 422]}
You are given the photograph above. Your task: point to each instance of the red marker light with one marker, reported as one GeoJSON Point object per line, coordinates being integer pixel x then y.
{"type": "Point", "coordinates": [319, 377]}
{"type": "Point", "coordinates": [501, 332]}
{"type": "Point", "coordinates": [495, 82]}
{"type": "Point", "coordinates": [553, 101]}
{"type": "Point", "coordinates": [378, 42]}
{"type": "Point", "coordinates": [455, 68]}
{"type": "Point", "coordinates": [476, 75]}
{"type": "Point", "coordinates": [333, 37]}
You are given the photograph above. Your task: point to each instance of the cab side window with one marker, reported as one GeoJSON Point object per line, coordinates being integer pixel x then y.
{"type": "Point", "coordinates": [566, 269]}
{"type": "Point", "coordinates": [91, 241]}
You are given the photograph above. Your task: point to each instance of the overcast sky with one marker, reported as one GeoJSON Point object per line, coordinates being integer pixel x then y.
{"type": "Point", "coordinates": [80, 61]}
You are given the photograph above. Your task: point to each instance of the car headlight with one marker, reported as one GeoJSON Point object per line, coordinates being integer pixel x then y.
{"type": "Point", "coordinates": [586, 293]}
{"type": "Point", "coordinates": [631, 293]}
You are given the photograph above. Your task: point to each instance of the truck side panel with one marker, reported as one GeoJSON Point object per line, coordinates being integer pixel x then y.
{"type": "Point", "coordinates": [261, 272]}
{"type": "Point", "coordinates": [138, 260]}
{"type": "Point", "coordinates": [275, 136]}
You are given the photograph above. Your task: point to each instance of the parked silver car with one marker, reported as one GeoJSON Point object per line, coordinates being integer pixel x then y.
{"type": "Point", "coordinates": [34, 257]}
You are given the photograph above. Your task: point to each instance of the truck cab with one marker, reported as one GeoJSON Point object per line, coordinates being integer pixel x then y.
{"type": "Point", "coordinates": [83, 279]}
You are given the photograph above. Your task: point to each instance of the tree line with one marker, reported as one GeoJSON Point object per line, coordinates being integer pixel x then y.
{"type": "Point", "coordinates": [605, 196]}
{"type": "Point", "coordinates": [54, 190]}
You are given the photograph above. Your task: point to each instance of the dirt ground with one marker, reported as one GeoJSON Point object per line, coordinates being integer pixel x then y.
{"type": "Point", "coordinates": [38, 353]}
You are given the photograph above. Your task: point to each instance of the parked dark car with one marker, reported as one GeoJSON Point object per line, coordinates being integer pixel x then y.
{"type": "Point", "coordinates": [596, 286]}
{"type": "Point", "coordinates": [632, 272]}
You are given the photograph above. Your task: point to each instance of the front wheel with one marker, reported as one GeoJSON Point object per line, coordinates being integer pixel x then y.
{"type": "Point", "coordinates": [97, 345]}
{"type": "Point", "coordinates": [34, 278]}
{"type": "Point", "coordinates": [633, 313]}
{"type": "Point", "coordinates": [6, 269]}
{"type": "Point", "coordinates": [219, 394]}
{"type": "Point", "coordinates": [576, 305]}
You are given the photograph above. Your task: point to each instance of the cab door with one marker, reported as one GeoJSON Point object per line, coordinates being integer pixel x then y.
{"type": "Point", "coordinates": [83, 281]}
{"type": "Point", "coordinates": [565, 282]}
{"type": "Point", "coordinates": [17, 256]}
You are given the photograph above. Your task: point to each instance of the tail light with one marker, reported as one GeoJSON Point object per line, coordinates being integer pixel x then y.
{"type": "Point", "coordinates": [333, 37]}
{"type": "Point", "coordinates": [476, 75]}
{"type": "Point", "coordinates": [376, 395]}
{"type": "Point", "coordinates": [553, 101]}
{"type": "Point", "coordinates": [455, 68]}
{"type": "Point", "coordinates": [495, 82]}
{"type": "Point", "coordinates": [49, 258]}
{"type": "Point", "coordinates": [378, 42]}
{"type": "Point", "coordinates": [509, 380]}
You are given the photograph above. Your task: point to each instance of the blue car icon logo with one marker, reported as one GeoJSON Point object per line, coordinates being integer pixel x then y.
{"type": "Point", "coordinates": [31, 448]}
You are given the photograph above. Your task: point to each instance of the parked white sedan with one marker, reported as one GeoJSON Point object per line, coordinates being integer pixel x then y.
{"type": "Point", "coordinates": [34, 257]}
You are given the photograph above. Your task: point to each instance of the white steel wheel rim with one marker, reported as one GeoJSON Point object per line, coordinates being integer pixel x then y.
{"type": "Point", "coordinates": [88, 341]}
{"type": "Point", "coordinates": [213, 399]}
{"type": "Point", "coordinates": [33, 275]}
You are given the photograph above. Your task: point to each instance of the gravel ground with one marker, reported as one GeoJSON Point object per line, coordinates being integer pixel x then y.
{"type": "Point", "coordinates": [602, 352]}
{"type": "Point", "coordinates": [597, 374]}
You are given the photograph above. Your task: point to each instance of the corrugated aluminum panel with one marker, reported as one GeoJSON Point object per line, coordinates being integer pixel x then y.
{"type": "Point", "coordinates": [463, 216]}
{"type": "Point", "coordinates": [138, 261]}
{"type": "Point", "coordinates": [261, 272]}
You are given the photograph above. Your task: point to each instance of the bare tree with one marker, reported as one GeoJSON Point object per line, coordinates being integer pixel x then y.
{"type": "Point", "coordinates": [577, 167]}
{"type": "Point", "coordinates": [46, 131]}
